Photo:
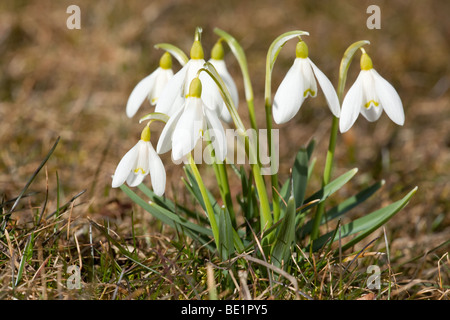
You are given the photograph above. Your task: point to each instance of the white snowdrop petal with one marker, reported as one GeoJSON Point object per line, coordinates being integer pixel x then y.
{"type": "Point", "coordinates": [157, 172]}
{"type": "Point", "coordinates": [310, 85]}
{"type": "Point", "coordinates": [328, 90]}
{"type": "Point", "coordinates": [163, 77]}
{"type": "Point", "coordinates": [134, 179]}
{"type": "Point", "coordinates": [125, 167]}
{"type": "Point", "coordinates": [351, 106]}
{"type": "Point", "coordinates": [140, 93]}
{"type": "Point", "coordinates": [217, 134]}
{"type": "Point", "coordinates": [289, 95]}
{"type": "Point", "coordinates": [188, 129]}
{"type": "Point", "coordinates": [165, 138]}
{"type": "Point", "coordinates": [171, 99]}
{"type": "Point", "coordinates": [373, 113]}
{"type": "Point", "coordinates": [389, 98]}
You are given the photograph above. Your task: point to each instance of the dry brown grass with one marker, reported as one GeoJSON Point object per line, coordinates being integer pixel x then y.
{"type": "Point", "coordinates": [75, 84]}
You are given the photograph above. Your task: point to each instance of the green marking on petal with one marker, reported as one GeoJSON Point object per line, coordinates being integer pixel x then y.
{"type": "Point", "coordinates": [310, 92]}
{"type": "Point", "coordinates": [371, 102]}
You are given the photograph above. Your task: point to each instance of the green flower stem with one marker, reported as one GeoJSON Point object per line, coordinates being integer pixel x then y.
{"type": "Point", "coordinates": [208, 206]}
{"type": "Point", "coordinates": [272, 55]}
{"type": "Point", "coordinates": [343, 69]}
{"type": "Point", "coordinates": [326, 176]}
{"type": "Point", "coordinates": [274, 177]}
{"type": "Point", "coordinates": [250, 148]}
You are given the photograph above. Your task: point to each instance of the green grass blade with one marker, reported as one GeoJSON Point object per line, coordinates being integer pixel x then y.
{"type": "Point", "coordinates": [164, 215]}
{"type": "Point", "coordinates": [8, 215]}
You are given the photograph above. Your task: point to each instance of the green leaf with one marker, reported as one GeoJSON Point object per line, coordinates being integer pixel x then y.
{"type": "Point", "coordinates": [174, 51]}
{"type": "Point", "coordinates": [285, 236]}
{"type": "Point", "coordinates": [343, 207]}
{"type": "Point", "coordinates": [226, 235]}
{"type": "Point", "coordinates": [332, 187]}
{"type": "Point", "coordinates": [300, 173]}
{"type": "Point", "coordinates": [365, 225]}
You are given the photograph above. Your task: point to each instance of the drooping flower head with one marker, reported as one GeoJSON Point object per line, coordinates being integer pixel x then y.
{"type": "Point", "coordinates": [176, 91]}
{"type": "Point", "coordinates": [151, 86]}
{"type": "Point", "coordinates": [138, 162]}
{"type": "Point", "coordinates": [185, 128]}
{"type": "Point", "coordinates": [217, 60]}
{"type": "Point", "coordinates": [370, 95]}
{"type": "Point", "coordinates": [300, 83]}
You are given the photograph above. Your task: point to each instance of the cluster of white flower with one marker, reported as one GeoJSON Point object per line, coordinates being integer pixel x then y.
{"type": "Point", "coordinates": [194, 105]}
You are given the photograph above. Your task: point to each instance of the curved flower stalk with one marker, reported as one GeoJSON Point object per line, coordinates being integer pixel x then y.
{"type": "Point", "coordinates": [300, 83]}
{"type": "Point", "coordinates": [217, 60]}
{"type": "Point", "coordinates": [151, 86]}
{"type": "Point", "coordinates": [138, 162]}
{"type": "Point", "coordinates": [370, 95]}
{"type": "Point", "coordinates": [174, 94]}
{"type": "Point", "coordinates": [185, 128]}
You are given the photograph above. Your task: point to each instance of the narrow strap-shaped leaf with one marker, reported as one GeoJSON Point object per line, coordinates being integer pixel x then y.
{"type": "Point", "coordinates": [367, 224]}
{"type": "Point", "coordinates": [330, 188]}
{"type": "Point", "coordinates": [226, 235]}
{"type": "Point", "coordinates": [300, 174]}
{"type": "Point", "coordinates": [344, 206]}
{"type": "Point", "coordinates": [285, 236]}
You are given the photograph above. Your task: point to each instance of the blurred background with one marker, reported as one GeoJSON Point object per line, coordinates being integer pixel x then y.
{"type": "Point", "coordinates": [74, 84]}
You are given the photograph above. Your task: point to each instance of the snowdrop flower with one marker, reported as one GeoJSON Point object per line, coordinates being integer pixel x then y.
{"type": "Point", "coordinates": [151, 86]}
{"type": "Point", "coordinates": [300, 83]}
{"type": "Point", "coordinates": [370, 95]}
{"type": "Point", "coordinates": [138, 162]}
{"type": "Point", "coordinates": [174, 94]}
{"type": "Point", "coordinates": [185, 128]}
{"type": "Point", "coordinates": [217, 55]}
